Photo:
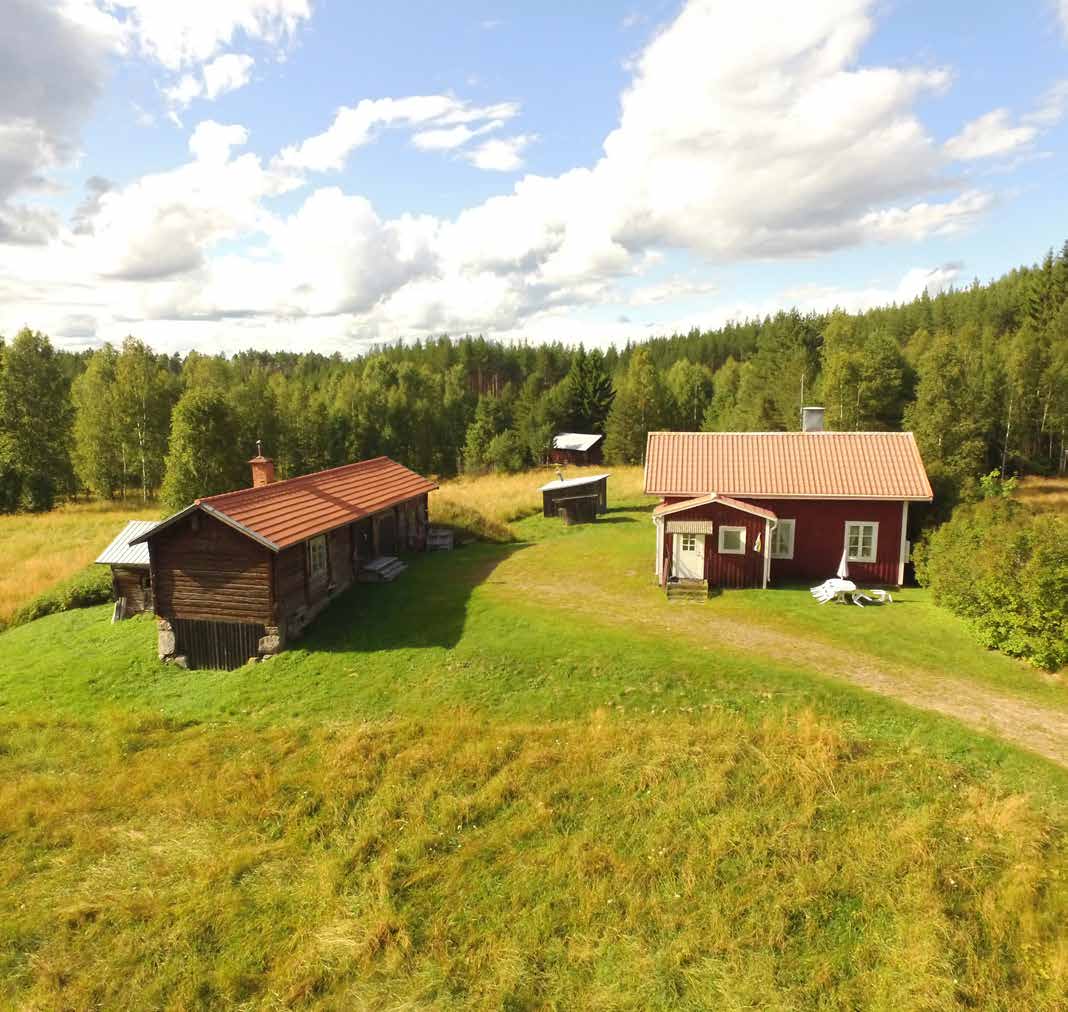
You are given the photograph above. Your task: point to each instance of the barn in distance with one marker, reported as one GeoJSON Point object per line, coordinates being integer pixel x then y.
{"type": "Point", "coordinates": [577, 448]}
{"type": "Point", "coordinates": [238, 575]}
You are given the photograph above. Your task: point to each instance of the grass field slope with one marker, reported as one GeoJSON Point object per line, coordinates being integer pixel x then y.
{"type": "Point", "coordinates": [518, 778]}
{"type": "Point", "coordinates": [37, 551]}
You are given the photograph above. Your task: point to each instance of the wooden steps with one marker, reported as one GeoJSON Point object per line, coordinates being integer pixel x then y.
{"type": "Point", "coordinates": [439, 539]}
{"type": "Point", "coordinates": [384, 569]}
{"type": "Point", "coordinates": [688, 590]}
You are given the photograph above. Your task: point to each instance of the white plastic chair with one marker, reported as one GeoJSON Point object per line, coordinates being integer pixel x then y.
{"type": "Point", "coordinates": [833, 589]}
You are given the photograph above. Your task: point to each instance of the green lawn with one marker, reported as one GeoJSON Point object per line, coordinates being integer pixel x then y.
{"type": "Point", "coordinates": [500, 783]}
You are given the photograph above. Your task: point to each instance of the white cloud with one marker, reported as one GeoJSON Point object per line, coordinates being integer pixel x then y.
{"type": "Point", "coordinates": [1051, 107]}
{"type": "Point", "coordinates": [224, 74]}
{"type": "Point", "coordinates": [743, 134]}
{"type": "Point", "coordinates": [502, 154]}
{"type": "Point", "coordinates": [355, 126]}
{"type": "Point", "coordinates": [990, 135]}
{"type": "Point", "coordinates": [184, 33]}
{"type": "Point", "coordinates": [448, 138]}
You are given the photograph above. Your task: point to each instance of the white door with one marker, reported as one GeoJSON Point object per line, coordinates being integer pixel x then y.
{"type": "Point", "coordinates": [689, 556]}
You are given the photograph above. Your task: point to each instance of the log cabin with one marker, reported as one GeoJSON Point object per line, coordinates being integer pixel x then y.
{"type": "Point", "coordinates": [238, 575]}
{"type": "Point", "coordinates": [578, 448]}
{"type": "Point", "coordinates": [131, 582]}
{"type": "Point", "coordinates": [756, 509]}
{"type": "Point", "coordinates": [593, 485]}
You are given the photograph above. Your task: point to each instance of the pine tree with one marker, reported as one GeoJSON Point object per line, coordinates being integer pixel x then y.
{"type": "Point", "coordinates": [640, 406]}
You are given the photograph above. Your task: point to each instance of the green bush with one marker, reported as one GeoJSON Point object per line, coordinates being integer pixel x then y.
{"type": "Point", "coordinates": [1004, 568]}
{"type": "Point", "coordinates": [88, 586]}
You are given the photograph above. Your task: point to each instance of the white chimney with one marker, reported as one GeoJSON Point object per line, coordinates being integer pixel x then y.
{"type": "Point", "coordinates": [812, 419]}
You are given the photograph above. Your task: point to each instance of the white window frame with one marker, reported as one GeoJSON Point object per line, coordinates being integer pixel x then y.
{"type": "Point", "coordinates": [874, 554]}
{"type": "Point", "coordinates": [683, 546]}
{"type": "Point", "coordinates": [731, 551]}
{"type": "Point", "coordinates": [780, 528]}
{"type": "Point", "coordinates": [317, 556]}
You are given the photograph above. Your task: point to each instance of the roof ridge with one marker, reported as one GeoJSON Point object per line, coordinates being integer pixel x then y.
{"type": "Point", "coordinates": [260, 489]}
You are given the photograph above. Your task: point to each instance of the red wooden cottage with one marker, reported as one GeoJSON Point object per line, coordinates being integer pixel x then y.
{"type": "Point", "coordinates": [577, 448]}
{"type": "Point", "coordinates": [236, 575]}
{"type": "Point", "coordinates": [749, 509]}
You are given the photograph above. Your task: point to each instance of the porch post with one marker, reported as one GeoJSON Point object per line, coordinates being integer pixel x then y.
{"type": "Point", "coordinates": [767, 553]}
{"type": "Point", "coordinates": [901, 551]}
{"type": "Point", "coordinates": [659, 523]}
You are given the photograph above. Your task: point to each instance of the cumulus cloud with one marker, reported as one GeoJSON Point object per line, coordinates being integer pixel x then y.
{"type": "Point", "coordinates": [355, 126]}
{"type": "Point", "coordinates": [502, 154]}
{"type": "Point", "coordinates": [743, 134]}
{"type": "Point", "coordinates": [223, 74]}
{"type": "Point", "coordinates": [183, 34]}
{"type": "Point", "coordinates": [991, 134]}
{"type": "Point", "coordinates": [46, 92]}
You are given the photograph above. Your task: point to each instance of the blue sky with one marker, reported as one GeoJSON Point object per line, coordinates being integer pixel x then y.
{"type": "Point", "coordinates": [302, 174]}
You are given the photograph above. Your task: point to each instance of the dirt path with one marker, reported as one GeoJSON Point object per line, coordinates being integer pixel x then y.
{"type": "Point", "coordinates": [1028, 724]}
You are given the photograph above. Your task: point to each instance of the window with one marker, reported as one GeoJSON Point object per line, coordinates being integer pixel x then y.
{"type": "Point", "coordinates": [862, 541]}
{"type": "Point", "coordinates": [782, 540]}
{"type": "Point", "coordinates": [689, 542]}
{"type": "Point", "coordinates": [317, 556]}
{"type": "Point", "coordinates": [732, 541]}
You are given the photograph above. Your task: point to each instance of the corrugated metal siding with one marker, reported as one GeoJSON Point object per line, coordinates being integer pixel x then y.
{"type": "Point", "coordinates": [287, 512]}
{"type": "Point", "coordinates": [121, 553]}
{"type": "Point", "coordinates": [849, 465]}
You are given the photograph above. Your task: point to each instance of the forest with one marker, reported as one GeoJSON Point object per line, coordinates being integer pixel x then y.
{"type": "Point", "coordinates": [980, 374]}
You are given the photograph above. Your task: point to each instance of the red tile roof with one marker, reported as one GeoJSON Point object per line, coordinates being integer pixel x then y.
{"type": "Point", "coordinates": [798, 465]}
{"type": "Point", "coordinates": [286, 512]}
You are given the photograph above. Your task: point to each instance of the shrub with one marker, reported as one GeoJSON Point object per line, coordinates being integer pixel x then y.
{"type": "Point", "coordinates": [1003, 568]}
{"type": "Point", "coordinates": [87, 587]}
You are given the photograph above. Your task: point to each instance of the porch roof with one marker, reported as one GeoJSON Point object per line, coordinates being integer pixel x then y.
{"type": "Point", "coordinates": [666, 509]}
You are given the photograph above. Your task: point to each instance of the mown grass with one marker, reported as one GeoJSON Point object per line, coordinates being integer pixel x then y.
{"type": "Point", "coordinates": [472, 789]}
{"type": "Point", "coordinates": [39, 550]}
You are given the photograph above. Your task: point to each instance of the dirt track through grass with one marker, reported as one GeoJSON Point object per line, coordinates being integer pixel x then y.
{"type": "Point", "coordinates": [1030, 725]}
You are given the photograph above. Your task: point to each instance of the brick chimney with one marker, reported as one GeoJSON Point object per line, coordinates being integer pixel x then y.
{"type": "Point", "coordinates": [262, 468]}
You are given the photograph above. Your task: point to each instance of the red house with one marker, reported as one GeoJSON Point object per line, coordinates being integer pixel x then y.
{"type": "Point", "coordinates": [752, 509]}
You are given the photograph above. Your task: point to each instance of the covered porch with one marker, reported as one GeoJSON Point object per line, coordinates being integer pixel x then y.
{"type": "Point", "coordinates": [712, 541]}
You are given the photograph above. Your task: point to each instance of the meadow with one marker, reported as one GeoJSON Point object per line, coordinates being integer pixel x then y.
{"type": "Point", "coordinates": [37, 551]}
{"type": "Point", "coordinates": [519, 778]}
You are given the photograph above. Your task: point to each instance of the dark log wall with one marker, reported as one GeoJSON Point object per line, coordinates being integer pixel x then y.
{"type": "Point", "coordinates": [578, 458]}
{"type": "Point", "coordinates": [205, 569]}
{"type": "Point", "coordinates": [339, 547]}
{"type": "Point", "coordinates": [132, 583]}
{"type": "Point", "coordinates": [289, 580]}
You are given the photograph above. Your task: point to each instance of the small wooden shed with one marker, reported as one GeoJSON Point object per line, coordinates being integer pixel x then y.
{"type": "Point", "coordinates": [593, 485]}
{"type": "Point", "coordinates": [131, 580]}
{"type": "Point", "coordinates": [578, 448]}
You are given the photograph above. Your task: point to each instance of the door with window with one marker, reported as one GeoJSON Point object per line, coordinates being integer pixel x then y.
{"type": "Point", "coordinates": [689, 556]}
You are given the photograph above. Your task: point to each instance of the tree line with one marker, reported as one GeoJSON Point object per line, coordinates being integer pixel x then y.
{"type": "Point", "coordinates": [980, 374]}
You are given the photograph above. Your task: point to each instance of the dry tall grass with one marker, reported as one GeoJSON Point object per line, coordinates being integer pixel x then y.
{"type": "Point", "coordinates": [486, 505]}
{"type": "Point", "coordinates": [1044, 493]}
{"type": "Point", "coordinates": [683, 862]}
{"type": "Point", "coordinates": [39, 550]}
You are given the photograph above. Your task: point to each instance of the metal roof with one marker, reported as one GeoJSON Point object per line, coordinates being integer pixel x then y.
{"type": "Point", "coordinates": [797, 465]}
{"type": "Point", "coordinates": [664, 509]}
{"type": "Point", "coordinates": [573, 482]}
{"type": "Point", "coordinates": [580, 441]}
{"type": "Point", "coordinates": [121, 553]}
{"type": "Point", "coordinates": [284, 513]}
